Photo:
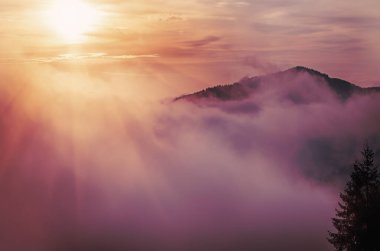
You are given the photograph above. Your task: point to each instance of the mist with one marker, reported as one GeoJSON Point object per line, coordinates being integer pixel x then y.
{"type": "Point", "coordinates": [94, 161]}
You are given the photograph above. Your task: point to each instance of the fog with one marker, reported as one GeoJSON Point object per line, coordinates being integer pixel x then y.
{"type": "Point", "coordinates": [109, 162]}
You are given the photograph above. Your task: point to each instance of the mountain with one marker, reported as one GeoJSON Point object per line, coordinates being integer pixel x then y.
{"type": "Point", "coordinates": [246, 87]}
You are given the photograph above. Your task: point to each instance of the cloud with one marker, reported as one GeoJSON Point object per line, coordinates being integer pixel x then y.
{"type": "Point", "coordinates": [87, 165]}
{"type": "Point", "coordinates": [133, 56]}
{"type": "Point", "coordinates": [361, 22]}
{"type": "Point", "coordinates": [172, 18]}
{"type": "Point", "coordinates": [70, 57]}
{"type": "Point", "coordinates": [291, 27]}
{"type": "Point", "coordinates": [260, 65]}
{"type": "Point", "coordinates": [203, 42]}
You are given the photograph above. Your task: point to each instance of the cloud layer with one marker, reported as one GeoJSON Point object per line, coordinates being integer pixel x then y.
{"type": "Point", "coordinates": [88, 165]}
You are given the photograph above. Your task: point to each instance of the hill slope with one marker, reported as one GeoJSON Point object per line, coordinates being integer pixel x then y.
{"type": "Point", "coordinates": [247, 86]}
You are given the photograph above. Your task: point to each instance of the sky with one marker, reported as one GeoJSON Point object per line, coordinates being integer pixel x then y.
{"type": "Point", "coordinates": [95, 155]}
{"type": "Point", "coordinates": [230, 39]}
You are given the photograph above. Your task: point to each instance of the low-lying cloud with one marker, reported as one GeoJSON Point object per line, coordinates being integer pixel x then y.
{"type": "Point", "coordinates": [87, 166]}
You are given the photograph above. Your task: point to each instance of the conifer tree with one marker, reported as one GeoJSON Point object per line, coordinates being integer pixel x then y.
{"type": "Point", "coordinates": [357, 220]}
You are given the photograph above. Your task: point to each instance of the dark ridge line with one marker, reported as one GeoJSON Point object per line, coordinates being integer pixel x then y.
{"type": "Point", "coordinates": [342, 88]}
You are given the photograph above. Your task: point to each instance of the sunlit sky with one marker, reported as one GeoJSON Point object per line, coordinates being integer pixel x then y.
{"type": "Point", "coordinates": [201, 40]}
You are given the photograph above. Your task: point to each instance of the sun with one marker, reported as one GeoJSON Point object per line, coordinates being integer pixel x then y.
{"type": "Point", "coordinates": [72, 19]}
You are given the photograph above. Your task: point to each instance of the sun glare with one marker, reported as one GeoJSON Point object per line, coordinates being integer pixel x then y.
{"type": "Point", "coordinates": [72, 19]}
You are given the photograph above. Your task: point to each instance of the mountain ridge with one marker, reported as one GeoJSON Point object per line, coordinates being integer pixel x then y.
{"type": "Point", "coordinates": [243, 88]}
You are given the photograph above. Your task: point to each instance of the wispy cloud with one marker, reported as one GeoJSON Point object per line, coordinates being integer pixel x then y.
{"type": "Point", "coordinates": [77, 57]}
{"type": "Point", "coordinates": [285, 33]}
{"type": "Point", "coordinates": [202, 42]}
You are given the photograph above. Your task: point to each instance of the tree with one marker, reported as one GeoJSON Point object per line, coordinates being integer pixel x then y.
{"type": "Point", "coordinates": [357, 218]}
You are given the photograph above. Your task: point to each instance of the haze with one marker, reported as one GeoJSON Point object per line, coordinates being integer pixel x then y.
{"type": "Point", "coordinates": [95, 155]}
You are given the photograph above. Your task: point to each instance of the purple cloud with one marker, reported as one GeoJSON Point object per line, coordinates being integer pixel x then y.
{"type": "Point", "coordinates": [94, 170]}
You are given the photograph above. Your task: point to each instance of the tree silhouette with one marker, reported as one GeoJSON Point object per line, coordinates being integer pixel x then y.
{"type": "Point", "coordinates": [357, 218]}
